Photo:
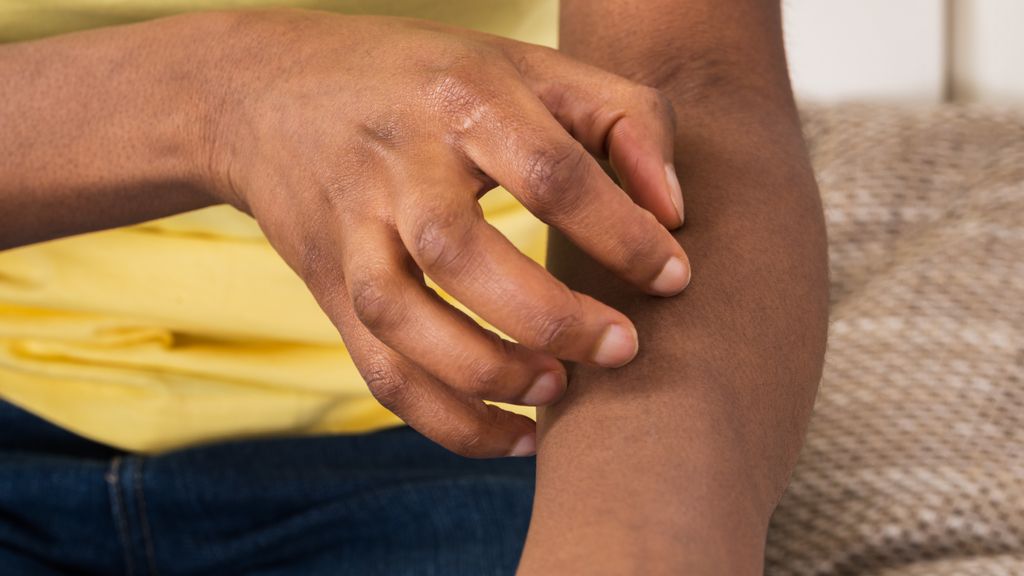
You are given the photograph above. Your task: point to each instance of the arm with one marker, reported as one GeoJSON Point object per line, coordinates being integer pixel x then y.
{"type": "Point", "coordinates": [674, 463]}
{"type": "Point", "coordinates": [101, 129]}
{"type": "Point", "coordinates": [360, 145]}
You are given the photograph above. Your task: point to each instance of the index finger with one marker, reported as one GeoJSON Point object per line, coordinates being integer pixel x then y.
{"type": "Point", "coordinates": [451, 242]}
{"type": "Point", "coordinates": [533, 157]}
{"type": "Point", "coordinates": [630, 124]}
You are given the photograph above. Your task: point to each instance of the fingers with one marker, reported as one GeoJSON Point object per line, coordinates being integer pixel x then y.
{"type": "Point", "coordinates": [461, 424]}
{"type": "Point", "coordinates": [554, 177]}
{"type": "Point", "coordinates": [649, 178]}
{"type": "Point", "coordinates": [452, 243]}
{"type": "Point", "coordinates": [464, 425]}
{"type": "Point", "coordinates": [630, 124]}
{"type": "Point", "coordinates": [389, 298]}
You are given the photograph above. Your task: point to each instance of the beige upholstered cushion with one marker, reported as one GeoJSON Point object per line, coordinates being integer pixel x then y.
{"type": "Point", "coordinates": [914, 464]}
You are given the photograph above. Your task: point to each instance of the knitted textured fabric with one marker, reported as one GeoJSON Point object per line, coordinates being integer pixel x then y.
{"type": "Point", "coordinates": [914, 461]}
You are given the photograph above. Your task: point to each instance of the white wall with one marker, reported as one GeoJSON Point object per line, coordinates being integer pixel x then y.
{"type": "Point", "coordinates": [906, 50]}
{"type": "Point", "coordinates": [988, 63]}
{"type": "Point", "coordinates": [866, 49]}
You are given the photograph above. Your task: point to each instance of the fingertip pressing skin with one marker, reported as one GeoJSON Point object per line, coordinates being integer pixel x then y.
{"type": "Point", "coordinates": [547, 388]}
{"type": "Point", "coordinates": [673, 278]}
{"type": "Point", "coordinates": [617, 346]}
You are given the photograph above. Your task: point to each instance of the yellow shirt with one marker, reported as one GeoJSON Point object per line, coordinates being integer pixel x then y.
{"type": "Point", "coordinates": [191, 328]}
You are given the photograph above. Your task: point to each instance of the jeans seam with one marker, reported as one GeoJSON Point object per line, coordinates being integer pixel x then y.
{"type": "Point", "coordinates": [147, 534]}
{"type": "Point", "coordinates": [118, 511]}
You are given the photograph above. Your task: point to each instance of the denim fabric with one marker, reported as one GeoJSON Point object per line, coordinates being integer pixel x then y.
{"type": "Point", "coordinates": [391, 502]}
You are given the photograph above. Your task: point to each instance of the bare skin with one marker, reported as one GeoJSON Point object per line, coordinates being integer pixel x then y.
{"type": "Point", "coordinates": [674, 463]}
{"type": "Point", "coordinates": [360, 145]}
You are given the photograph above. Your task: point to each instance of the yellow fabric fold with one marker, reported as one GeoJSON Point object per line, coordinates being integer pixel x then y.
{"type": "Point", "coordinates": [191, 329]}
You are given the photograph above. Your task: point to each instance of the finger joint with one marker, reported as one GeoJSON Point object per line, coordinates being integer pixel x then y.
{"type": "Point", "coordinates": [386, 384]}
{"type": "Point", "coordinates": [554, 180]}
{"type": "Point", "coordinates": [555, 330]}
{"type": "Point", "coordinates": [440, 241]}
{"type": "Point", "coordinates": [376, 299]}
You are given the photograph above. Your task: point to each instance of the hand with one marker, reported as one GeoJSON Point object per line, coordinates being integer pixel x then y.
{"type": "Point", "coordinates": [361, 146]}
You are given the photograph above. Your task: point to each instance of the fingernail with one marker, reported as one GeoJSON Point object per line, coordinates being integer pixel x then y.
{"type": "Point", "coordinates": [545, 389]}
{"type": "Point", "coordinates": [675, 191]}
{"type": "Point", "coordinates": [525, 446]}
{"type": "Point", "coordinates": [618, 345]}
{"type": "Point", "coordinates": [674, 276]}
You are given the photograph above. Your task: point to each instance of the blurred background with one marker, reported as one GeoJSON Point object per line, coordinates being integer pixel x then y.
{"type": "Point", "coordinates": [914, 116]}
{"type": "Point", "coordinates": [908, 51]}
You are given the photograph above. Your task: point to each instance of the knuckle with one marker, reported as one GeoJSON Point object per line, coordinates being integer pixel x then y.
{"type": "Point", "coordinates": [468, 439]}
{"type": "Point", "coordinates": [439, 240]}
{"type": "Point", "coordinates": [642, 244]}
{"type": "Point", "coordinates": [384, 131]}
{"type": "Point", "coordinates": [385, 383]}
{"type": "Point", "coordinates": [556, 329]}
{"type": "Point", "coordinates": [485, 379]}
{"type": "Point", "coordinates": [455, 90]}
{"type": "Point", "coordinates": [375, 299]}
{"type": "Point", "coordinates": [554, 179]}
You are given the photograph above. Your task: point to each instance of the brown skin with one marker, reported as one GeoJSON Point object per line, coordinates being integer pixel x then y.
{"type": "Point", "coordinates": [328, 133]}
{"type": "Point", "coordinates": [360, 145]}
{"type": "Point", "coordinates": [674, 463]}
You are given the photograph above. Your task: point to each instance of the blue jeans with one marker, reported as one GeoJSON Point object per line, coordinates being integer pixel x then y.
{"type": "Point", "coordinates": [390, 502]}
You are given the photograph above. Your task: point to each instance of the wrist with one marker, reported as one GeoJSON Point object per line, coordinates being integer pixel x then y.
{"type": "Point", "coordinates": [123, 109]}
{"type": "Point", "coordinates": [238, 88]}
{"type": "Point", "coordinates": [207, 88]}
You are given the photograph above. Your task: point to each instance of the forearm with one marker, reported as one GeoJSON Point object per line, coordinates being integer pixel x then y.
{"type": "Point", "coordinates": [674, 463]}
{"type": "Point", "coordinates": [101, 128]}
